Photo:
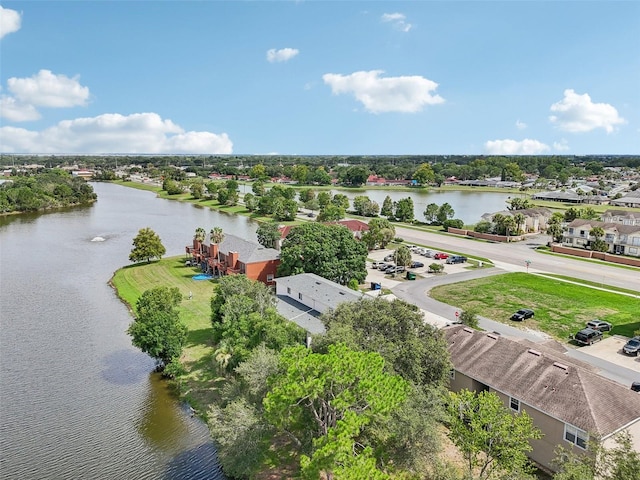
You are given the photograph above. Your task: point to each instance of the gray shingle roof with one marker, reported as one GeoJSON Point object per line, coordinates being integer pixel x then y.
{"type": "Point", "coordinates": [248, 252]}
{"type": "Point", "coordinates": [551, 383]}
{"type": "Point", "coordinates": [321, 289]}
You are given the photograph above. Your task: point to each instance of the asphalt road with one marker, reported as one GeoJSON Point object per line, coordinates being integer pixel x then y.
{"type": "Point", "coordinates": [513, 257]}
{"type": "Point", "coordinates": [416, 292]}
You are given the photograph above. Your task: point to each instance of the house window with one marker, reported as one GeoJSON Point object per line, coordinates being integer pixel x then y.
{"type": "Point", "coordinates": [609, 237]}
{"type": "Point", "coordinates": [452, 374]}
{"type": "Point", "coordinates": [300, 296]}
{"type": "Point", "coordinates": [288, 290]}
{"type": "Point", "coordinates": [571, 231]}
{"type": "Point", "coordinates": [514, 403]}
{"type": "Point", "coordinates": [576, 436]}
{"type": "Point", "coordinates": [583, 233]}
{"type": "Point", "coordinates": [270, 277]}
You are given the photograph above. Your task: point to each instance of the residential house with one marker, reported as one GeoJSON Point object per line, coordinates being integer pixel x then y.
{"type": "Point", "coordinates": [631, 199]}
{"type": "Point", "coordinates": [623, 217]}
{"type": "Point", "coordinates": [535, 218]}
{"type": "Point", "coordinates": [567, 401]}
{"type": "Point", "coordinates": [304, 297]}
{"type": "Point", "coordinates": [621, 239]}
{"type": "Point", "coordinates": [234, 255]}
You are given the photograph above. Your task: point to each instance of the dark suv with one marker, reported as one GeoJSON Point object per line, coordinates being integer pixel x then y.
{"type": "Point", "coordinates": [588, 336]}
{"type": "Point", "coordinates": [456, 259]}
{"type": "Point", "coordinates": [632, 347]}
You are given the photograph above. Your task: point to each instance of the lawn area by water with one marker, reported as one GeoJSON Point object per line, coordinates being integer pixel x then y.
{"type": "Point", "coordinates": [200, 383]}
{"type": "Point", "coordinates": [561, 308]}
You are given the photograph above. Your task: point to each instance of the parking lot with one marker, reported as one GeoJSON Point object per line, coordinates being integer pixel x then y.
{"type": "Point", "coordinates": [389, 281]}
{"type": "Point", "coordinates": [610, 349]}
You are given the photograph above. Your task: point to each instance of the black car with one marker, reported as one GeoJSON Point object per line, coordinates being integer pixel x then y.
{"type": "Point", "coordinates": [522, 314]}
{"type": "Point", "coordinates": [416, 265]}
{"type": "Point", "coordinates": [588, 336]}
{"type": "Point", "coordinates": [635, 386]}
{"type": "Point", "coordinates": [632, 347]}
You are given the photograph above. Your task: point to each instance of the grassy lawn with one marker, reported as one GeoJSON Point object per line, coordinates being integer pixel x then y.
{"type": "Point", "coordinates": [201, 383]}
{"type": "Point", "coordinates": [561, 308]}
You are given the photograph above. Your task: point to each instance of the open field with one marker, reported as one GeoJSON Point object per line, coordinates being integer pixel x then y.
{"type": "Point", "coordinates": [199, 384]}
{"type": "Point", "coordinates": [561, 308]}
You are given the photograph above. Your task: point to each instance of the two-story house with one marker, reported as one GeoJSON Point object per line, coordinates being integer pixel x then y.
{"type": "Point", "coordinates": [570, 404]}
{"type": "Point", "coordinates": [621, 239]}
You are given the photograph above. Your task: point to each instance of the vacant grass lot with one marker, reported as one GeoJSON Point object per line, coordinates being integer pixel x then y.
{"type": "Point", "coordinates": [200, 384]}
{"type": "Point", "coordinates": [561, 308]}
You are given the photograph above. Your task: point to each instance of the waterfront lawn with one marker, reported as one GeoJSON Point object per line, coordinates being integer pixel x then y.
{"type": "Point", "coordinates": [561, 308]}
{"type": "Point", "coordinates": [199, 385]}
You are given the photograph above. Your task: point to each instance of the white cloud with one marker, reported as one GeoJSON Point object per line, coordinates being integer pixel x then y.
{"type": "Point", "coordinates": [114, 133]}
{"type": "Point", "coordinates": [398, 20]}
{"type": "Point", "coordinates": [10, 21]}
{"type": "Point", "coordinates": [391, 94]}
{"type": "Point", "coordinates": [520, 125]}
{"type": "Point", "coordinates": [15, 111]}
{"type": "Point", "coordinates": [46, 89]}
{"type": "Point", "coordinates": [561, 146]}
{"type": "Point", "coordinates": [514, 147]}
{"type": "Point", "coordinates": [577, 113]}
{"type": "Point", "coordinates": [282, 55]}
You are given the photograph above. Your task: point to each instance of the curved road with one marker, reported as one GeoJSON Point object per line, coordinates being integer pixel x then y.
{"type": "Point", "coordinates": [512, 257]}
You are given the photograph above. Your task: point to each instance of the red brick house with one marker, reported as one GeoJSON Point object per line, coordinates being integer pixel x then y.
{"type": "Point", "coordinates": [235, 255]}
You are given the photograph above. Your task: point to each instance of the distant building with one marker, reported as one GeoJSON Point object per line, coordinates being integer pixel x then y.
{"type": "Point", "coordinates": [621, 239]}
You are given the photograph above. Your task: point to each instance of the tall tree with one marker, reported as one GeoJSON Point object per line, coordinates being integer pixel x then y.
{"type": "Point", "coordinates": [404, 210]}
{"type": "Point", "coordinates": [396, 330]}
{"type": "Point", "coordinates": [268, 234]}
{"type": "Point", "coordinates": [493, 441]}
{"type": "Point", "coordinates": [156, 329]}
{"type": "Point", "coordinates": [402, 256]}
{"type": "Point", "coordinates": [598, 244]}
{"type": "Point", "coordinates": [424, 174]}
{"type": "Point", "coordinates": [331, 213]}
{"type": "Point", "coordinates": [387, 207]}
{"type": "Point", "coordinates": [326, 250]}
{"type": "Point", "coordinates": [431, 213]}
{"type": "Point", "coordinates": [146, 245]}
{"type": "Point", "coordinates": [445, 212]}
{"type": "Point", "coordinates": [340, 392]}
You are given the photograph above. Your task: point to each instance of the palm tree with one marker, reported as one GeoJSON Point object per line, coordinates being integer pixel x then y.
{"type": "Point", "coordinates": [519, 219]}
{"type": "Point", "coordinates": [216, 235]}
{"type": "Point", "coordinates": [200, 234]}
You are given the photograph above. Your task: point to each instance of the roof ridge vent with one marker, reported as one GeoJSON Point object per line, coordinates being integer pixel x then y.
{"type": "Point", "coordinates": [561, 365]}
{"type": "Point", "coordinates": [491, 335]}
{"type": "Point", "coordinates": [468, 330]}
{"type": "Point", "coordinates": [535, 352]}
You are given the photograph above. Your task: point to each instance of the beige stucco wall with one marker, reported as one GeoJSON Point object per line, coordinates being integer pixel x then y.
{"type": "Point", "coordinates": [543, 452]}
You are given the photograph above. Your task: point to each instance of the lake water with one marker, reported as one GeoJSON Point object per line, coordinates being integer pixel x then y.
{"type": "Point", "coordinates": [77, 401]}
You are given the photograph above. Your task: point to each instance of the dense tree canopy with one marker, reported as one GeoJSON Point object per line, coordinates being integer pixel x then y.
{"type": "Point", "coordinates": [326, 250]}
{"type": "Point", "coordinates": [268, 234]}
{"type": "Point", "coordinates": [157, 329]}
{"type": "Point", "coordinates": [146, 245]}
{"type": "Point", "coordinates": [52, 189]}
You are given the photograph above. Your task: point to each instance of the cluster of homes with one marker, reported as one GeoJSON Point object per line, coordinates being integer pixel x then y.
{"type": "Point", "coordinates": [568, 401]}
{"type": "Point", "coordinates": [621, 228]}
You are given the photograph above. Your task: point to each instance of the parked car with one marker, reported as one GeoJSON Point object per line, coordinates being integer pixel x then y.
{"type": "Point", "coordinates": [428, 253]}
{"type": "Point", "coordinates": [376, 265]}
{"type": "Point", "coordinates": [394, 269]}
{"type": "Point", "coordinates": [383, 266]}
{"type": "Point", "coordinates": [456, 259]}
{"type": "Point", "coordinates": [522, 314]}
{"type": "Point", "coordinates": [635, 386]}
{"type": "Point", "coordinates": [441, 256]}
{"type": "Point", "coordinates": [416, 265]}
{"type": "Point", "coordinates": [588, 336]}
{"type": "Point", "coordinates": [599, 325]}
{"type": "Point", "coordinates": [632, 347]}
{"type": "Point", "coordinates": [389, 258]}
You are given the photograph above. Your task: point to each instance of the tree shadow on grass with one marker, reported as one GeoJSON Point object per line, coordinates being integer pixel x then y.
{"type": "Point", "coordinates": [626, 329]}
{"type": "Point", "coordinates": [203, 336]}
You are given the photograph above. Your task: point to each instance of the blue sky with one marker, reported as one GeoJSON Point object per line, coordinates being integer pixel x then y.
{"type": "Point", "coordinates": [320, 77]}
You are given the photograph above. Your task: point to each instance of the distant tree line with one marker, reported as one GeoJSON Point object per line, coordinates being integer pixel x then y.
{"type": "Point", "coordinates": [43, 191]}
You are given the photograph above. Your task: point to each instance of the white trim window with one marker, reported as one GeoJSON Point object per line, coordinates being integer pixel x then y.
{"type": "Point", "coordinates": [452, 374]}
{"type": "Point", "coordinates": [514, 403]}
{"type": "Point", "coordinates": [270, 277]}
{"type": "Point", "coordinates": [576, 436]}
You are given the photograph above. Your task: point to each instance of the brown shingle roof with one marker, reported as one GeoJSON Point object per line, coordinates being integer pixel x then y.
{"type": "Point", "coordinates": [551, 383]}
